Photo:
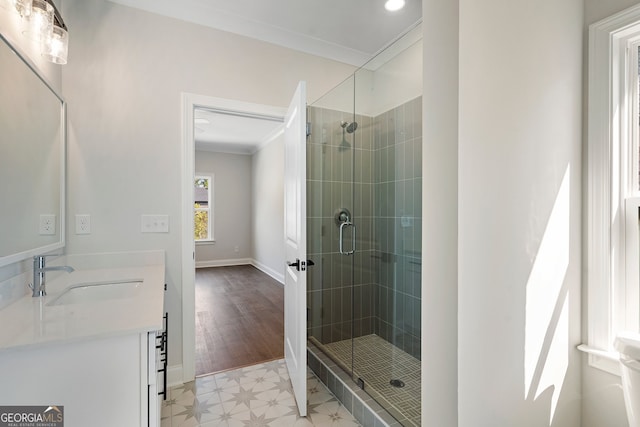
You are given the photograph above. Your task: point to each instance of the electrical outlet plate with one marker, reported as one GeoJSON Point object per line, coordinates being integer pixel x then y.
{"type": "Point", "coordinates": [83, 224]}
{"type": "Point", "coordinates": [47, 225]}
{"type": "Point", "coordinates": [154, 223]}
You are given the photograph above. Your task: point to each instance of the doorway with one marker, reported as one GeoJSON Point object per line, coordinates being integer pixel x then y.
{"type": "Point", "coordinates": [267, 261]}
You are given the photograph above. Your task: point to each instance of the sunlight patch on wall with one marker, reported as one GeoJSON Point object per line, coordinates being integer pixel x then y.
{"type": "Point", "coordinates": [546, 355]}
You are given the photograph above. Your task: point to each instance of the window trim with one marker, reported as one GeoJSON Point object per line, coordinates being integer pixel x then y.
{"type": "Point", "coordinates": [632, 255]}
{"type": "Point", "coordinates": [211, 237]}
{"type": "Point", "coordinates": [608, 182]}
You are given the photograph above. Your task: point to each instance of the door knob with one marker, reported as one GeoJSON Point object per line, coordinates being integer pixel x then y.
{"type": "Point", "coordinates": [300, 265]}
{"type": "Point", "coordinates": [294, 264]}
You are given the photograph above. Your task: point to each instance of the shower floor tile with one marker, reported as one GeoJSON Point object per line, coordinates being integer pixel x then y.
{"type": "Point", "coordinates": [377, 362]}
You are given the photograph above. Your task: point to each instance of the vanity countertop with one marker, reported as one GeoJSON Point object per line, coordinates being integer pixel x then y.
{"type": "Point", "coordinates": [33, 322]}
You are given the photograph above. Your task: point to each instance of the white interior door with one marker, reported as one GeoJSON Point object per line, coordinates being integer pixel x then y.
{"type": "Point", "coordinates": [295, 240]}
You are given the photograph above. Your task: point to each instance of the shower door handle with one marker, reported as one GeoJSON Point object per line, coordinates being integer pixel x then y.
{"type": "Point", "coordinates": [353, 238]}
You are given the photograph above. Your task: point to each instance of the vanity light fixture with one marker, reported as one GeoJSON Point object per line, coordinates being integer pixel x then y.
{"type": "Point", "coordinates": [55, 47]}
{"type": "Point", "coordinates": [22, 6]}
{"type": "Point", "coordinates": [39, 21]}
{"type": "Point", "coordinates": [394, 5]}
{"type": "Point", "coordinates": [45, 25]}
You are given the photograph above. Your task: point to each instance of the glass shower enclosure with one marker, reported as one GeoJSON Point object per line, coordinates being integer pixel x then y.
{"type": "Point", "coordinates": [364, 226]}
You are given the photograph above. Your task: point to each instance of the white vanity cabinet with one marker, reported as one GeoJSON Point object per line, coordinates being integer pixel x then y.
{"type": "Point", "coordinates": [157, 371]}
{"type": "Point", "coordinates": [106, 382]}
{"type": "Point", "coordinates": [97, 357]}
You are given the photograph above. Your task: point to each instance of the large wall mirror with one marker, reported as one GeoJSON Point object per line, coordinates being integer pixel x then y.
{"type": "Point", "coordinates": [32, 159]}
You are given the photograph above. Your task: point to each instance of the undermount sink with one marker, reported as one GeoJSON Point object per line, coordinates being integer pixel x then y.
{"type": "Point", "coordinates": [98, 291]}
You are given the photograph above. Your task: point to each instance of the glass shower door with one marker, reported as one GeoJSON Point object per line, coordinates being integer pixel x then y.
{"type": "Point", "coordinates": [364, 229]}
{"type": "Point", "coordinates": [386, 357]}
{"type": "Point", "coordinates": [332, 225]}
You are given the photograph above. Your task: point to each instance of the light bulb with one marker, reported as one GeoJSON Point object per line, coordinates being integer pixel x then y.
{"type": "Point", "coordinates": [22, 6]}
{"type": "Point", "coordinates": [55, 46]}
{"type": "Point", "coordinates": [40, 22]}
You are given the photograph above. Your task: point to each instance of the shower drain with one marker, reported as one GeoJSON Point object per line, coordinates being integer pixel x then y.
{"type": "Point", "coordinates": [397, 383]}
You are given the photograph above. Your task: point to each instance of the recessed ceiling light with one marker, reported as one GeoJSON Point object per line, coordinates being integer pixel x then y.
{"type": "Point", "coordinates": [394, 5]}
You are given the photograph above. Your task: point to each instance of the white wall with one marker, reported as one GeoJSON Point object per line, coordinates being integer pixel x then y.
{"type": "Point", "coordinates": [519, 212]}
{"type": "Point", "coordinates": [440, 214]}
{"type": "Point", "coordinates": [595, 10]}
{"type": "Point", "coordinates": [232, 208]}
{"type": "Point", "coordinates": [268, 208]}
{"type": "Point", "coordinates": [126, 72]}
{"type": "Point", "coordinates": [502, 157]}
{"type": "Point", "coordinates": [393, 83]}
{"type": "Point", "coordinates": [385, 86]}
{"type": "Point", "coordinates": [603, 402]}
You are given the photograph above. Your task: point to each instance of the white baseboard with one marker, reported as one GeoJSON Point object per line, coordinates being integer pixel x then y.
{"type": "Point", "coordinates": [174, 376]}
{"type": "Point", "coordinates": [223, 262]}
{"type": "Point", "coordinates": [268, 270]}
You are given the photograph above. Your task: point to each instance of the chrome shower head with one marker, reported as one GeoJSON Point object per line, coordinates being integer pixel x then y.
{"type": "Point", "coordinates": [349, 127]}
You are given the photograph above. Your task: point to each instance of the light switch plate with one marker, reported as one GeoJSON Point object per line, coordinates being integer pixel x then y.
{"type": "Point", "coordinates": [47, 225]}
{"type": "Point", "coordinates": [154, 223]}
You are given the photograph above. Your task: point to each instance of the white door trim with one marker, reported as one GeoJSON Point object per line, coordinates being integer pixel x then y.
{"type": "Point", "coordinates": [189, 102]}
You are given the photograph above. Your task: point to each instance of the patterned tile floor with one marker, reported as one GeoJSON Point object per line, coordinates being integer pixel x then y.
{"type": "Point", "coordinates": [377, 361]}
{"type": "Point", "coordinates": [258, 395]}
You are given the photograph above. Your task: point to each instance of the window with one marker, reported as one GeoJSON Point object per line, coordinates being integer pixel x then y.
{"type": "Point", "coordinates": [202, 204]}
{"type": "Point", "coordinates": [613, 189]}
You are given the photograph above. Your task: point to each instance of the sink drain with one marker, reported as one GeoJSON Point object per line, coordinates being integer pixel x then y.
{"type": "Point", "coordinates": [397, 383]}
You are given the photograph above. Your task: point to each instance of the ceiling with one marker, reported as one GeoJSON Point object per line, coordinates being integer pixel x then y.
{"type": "Point", "coordinates": [233, 133]}
{"type": "Point", "coordinates": [349, 31]}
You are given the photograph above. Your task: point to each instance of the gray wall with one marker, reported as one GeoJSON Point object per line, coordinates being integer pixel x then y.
{"type": "Point", "coordinates": [232, 208]}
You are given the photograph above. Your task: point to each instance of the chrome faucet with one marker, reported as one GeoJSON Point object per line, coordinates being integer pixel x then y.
{"type": "Point", "coordinates": [39, 269]}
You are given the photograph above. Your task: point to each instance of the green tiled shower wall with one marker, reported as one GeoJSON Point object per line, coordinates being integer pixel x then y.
{"type": "Point", "coordinates": [376, 174]}
{"type": "Point", "coordinates": [398, 224]}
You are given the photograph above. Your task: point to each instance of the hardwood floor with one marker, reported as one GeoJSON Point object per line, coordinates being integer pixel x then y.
{"type": "Point", "coordinates": [239, 318]}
